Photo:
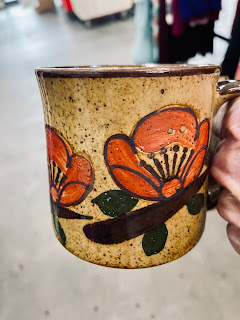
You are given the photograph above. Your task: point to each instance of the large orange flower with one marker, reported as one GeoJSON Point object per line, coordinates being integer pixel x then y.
{"type": "Point", "coordinates": [164, 154]}
{"type": "Point", "coordinates": [70, 176]}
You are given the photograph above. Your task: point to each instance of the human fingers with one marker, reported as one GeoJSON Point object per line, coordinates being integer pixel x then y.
{"type": "Point", "coordinates": [233, 234]}
{"type": "Point", "coordinates": [229, 208]}
{"type": "Point", "coordinates": [218, 120]}
{"type": "Point", "coordinates": [231, 121]}
{"type": "Point", "coordinates": [226, 121]}
{"type": "Point", "coordinates": [225, 167]}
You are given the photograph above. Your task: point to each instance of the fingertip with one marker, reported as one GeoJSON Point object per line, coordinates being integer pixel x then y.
{"type": "Point", "coordinates": [230, 124]}
{"type": "Point", "coordinates": [216, 172]}
{"type": "Point", "coordinates": [219, 119]}
{"type": "Point", "coordinates": [233, 234]}
{"type": "Point", "coordinates": [228, 207]}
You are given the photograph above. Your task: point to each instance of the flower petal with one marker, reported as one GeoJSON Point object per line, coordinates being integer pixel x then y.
{"type": "Point", "coordinates": [195, 167]}
{"type": "Point", "coordinates": [201, 143]}
{"type": "Point", "coordinates": [135, 184]}
{"type": "Point", "coordinates": [203, 135]}
{"type": "Point", "coordinates": [57, 149]}
{"type": "Point", "coordinates": [72, 194]}
{"type": "Point", "coordinates": [174, 124]}
{"type": "Point", "coordinates": [80, 170]}
{"type": "Point", "coordinates": [78, 182]}
{"type": "Point", "coordinates": [124, 167]}
{"type": "Point", "coordinates": [171, 187]}
{"type": "Point", "coordinates": [54, 193]}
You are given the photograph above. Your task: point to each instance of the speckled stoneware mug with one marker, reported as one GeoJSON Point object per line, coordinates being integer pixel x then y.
{"type": "Point", "coordinates": [127, 156]}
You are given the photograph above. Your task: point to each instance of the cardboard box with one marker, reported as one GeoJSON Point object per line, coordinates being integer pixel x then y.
{"type": "Point", "coordinates": [45, 5]}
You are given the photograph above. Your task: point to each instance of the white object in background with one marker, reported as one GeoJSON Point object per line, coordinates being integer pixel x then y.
{"type": "Point", "coordinates": [92, 9]}
{"type": "Point", "coordinates": [31, 3]}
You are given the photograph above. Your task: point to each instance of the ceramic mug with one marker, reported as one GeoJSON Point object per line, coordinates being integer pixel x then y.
{"type": "Point", "coordinates": [127, 150]}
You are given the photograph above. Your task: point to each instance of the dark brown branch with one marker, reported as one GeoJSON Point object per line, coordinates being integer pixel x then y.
{"type": "Point", "coordinates": [62, 212]}
{"type": "Point", "coordinates": [142, 220]}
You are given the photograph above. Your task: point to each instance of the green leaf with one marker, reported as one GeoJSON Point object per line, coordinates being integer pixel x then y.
{"type": "Point", "coordinates": [59, 230]}
{"type": "Point", "coordinates": [154, 241]}
{"type": "Point", "coordinates": [115, 203]}
{"type": "Point", "coordinates": [196, 204]}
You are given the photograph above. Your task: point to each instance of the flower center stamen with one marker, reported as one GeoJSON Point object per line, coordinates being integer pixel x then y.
{"type": "Point", "coordinates": [57, 176]}
{"type": "Point", "coordinates": [169, 163]}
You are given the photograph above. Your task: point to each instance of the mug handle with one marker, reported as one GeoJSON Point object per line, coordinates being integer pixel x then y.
{"type": "Point", "coordinates": [226, 91]}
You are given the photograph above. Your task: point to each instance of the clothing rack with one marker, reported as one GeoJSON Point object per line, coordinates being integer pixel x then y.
{"type": "Point", "coordinates": [159, 40]}
{"type": "Point", "coordinates": [221, 37]}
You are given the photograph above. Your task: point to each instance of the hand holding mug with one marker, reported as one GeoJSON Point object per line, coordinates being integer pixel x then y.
{"type": "Point", "coordinates": [226, 168]}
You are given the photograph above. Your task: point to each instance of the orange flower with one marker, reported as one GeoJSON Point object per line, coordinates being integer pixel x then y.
{"type": "Point", "coordinates": [70, 176]}
{"type": "Point", "coordinates": [173, 145]}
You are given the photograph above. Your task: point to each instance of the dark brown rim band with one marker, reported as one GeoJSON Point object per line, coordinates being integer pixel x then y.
{"type": "Point", "coordinates": [152, 70]}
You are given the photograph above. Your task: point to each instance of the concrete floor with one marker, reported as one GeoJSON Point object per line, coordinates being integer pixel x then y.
{"type": "Point", "coordinates": [38, 278]}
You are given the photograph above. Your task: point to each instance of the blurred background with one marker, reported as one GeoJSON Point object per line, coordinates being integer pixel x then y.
{"type": "Point", "coordinates": [38, 278]}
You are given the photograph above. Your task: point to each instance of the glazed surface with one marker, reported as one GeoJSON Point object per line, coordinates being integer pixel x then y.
{"type": "Point", "coordinates": [85, 112]}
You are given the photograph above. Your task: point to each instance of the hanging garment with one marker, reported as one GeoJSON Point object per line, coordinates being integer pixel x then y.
{"type": "Point", "coordinates": [155, 29]}
{"type": "Point", "coordinates": [237, 10]}
{"type": "Point", "coordinates": [185, 37]}
{"type": "Point", "coordinates": [143, 46]}
{"type": "Point", "coordinates": [193, 8]}
{"type": "Point", "coordinates": [163, 34]}
{"type": "Point", "coordinates": [178, 23]}
{"type": "Point", "coordinates": [230, 62]}
{"type": "Point", "coordinates": [194, 40]}
{"type": "Point", "coordinates": [157, 41]}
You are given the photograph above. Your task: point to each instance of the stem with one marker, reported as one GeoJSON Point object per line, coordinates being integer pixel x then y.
{"type": "Point", "coordinates": [137, 222]}
{"type": "Point", "coordinates": [62, 212]}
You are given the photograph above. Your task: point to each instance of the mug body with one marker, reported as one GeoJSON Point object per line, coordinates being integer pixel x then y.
{"type": "Point", "coordinates": [127, 158]}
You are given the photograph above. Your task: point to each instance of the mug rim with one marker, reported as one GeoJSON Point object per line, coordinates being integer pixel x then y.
{"type": "Point", "coordinates": [110, 71]}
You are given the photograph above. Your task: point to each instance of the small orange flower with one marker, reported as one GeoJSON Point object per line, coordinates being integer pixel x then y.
{"type": "Point", "coordinates": [173, 145]}
{"type": "Point", "coordinates": [70, 176]}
